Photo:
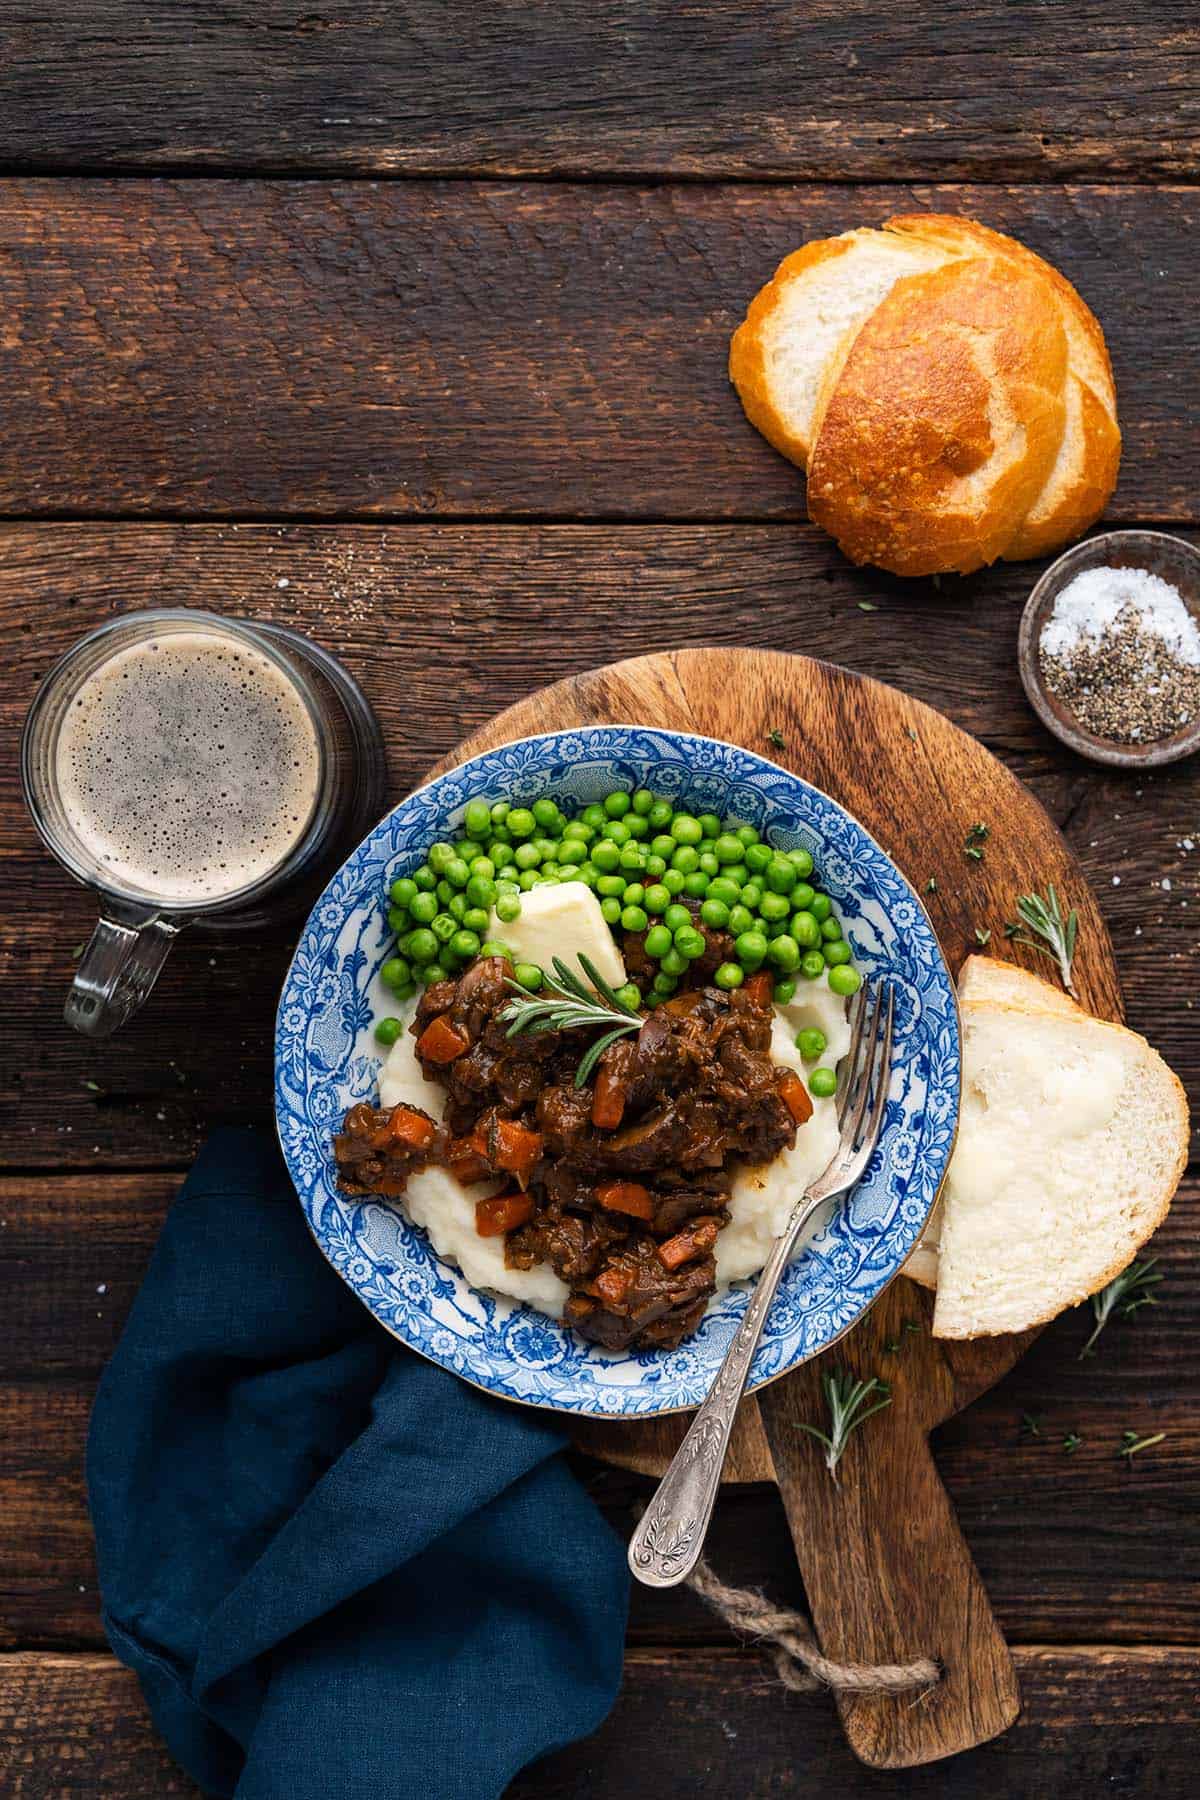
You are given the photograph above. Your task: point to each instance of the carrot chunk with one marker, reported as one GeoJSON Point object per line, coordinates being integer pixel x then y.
{"type": "Point", "coordinates": [794, 1095]}
{"type": "Point", "coordinates": [758, 990]}
{"type": "Point", "coordinates": [693, 1241]}
{"type": "Point", "coordinates": [412, 1128]}
{"type": "Point", "coordinates": [626, 1197]}
{"type": "Point", "coordinates": [465, 1163]}
{"type": "Point", "coordinates": [441, 1041]}
{"type": "Point", "coordinates": [612, 1285]}
{"type": "Point", "coordinates": [501, 1213]}
{"type": "Point", "coordinates": [608, 1100]}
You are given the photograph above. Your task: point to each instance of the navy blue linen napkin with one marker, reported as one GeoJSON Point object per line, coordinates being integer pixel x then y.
{"type": "Point", "coordinates": [339, 1572]}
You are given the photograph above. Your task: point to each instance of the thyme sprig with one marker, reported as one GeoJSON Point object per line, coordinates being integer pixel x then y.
{"type": "Point", "coordinates": [1045, 920]}
{"type": "Point", "coordinates": [1123, 1295]}
{"type": "Point", "coordinates": [573, 1008]}
{"type": "Point", "coordinates": [846, 1399]}
{"type": "Point", "coordinates": [1131, 1443]}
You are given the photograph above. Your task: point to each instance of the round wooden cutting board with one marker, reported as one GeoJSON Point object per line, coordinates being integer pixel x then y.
{"type": "Point", "coordinates": [887, 1573]}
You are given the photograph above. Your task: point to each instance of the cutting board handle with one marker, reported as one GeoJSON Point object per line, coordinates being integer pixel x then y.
{"type": "Point", "coordinates": [889, 1579]}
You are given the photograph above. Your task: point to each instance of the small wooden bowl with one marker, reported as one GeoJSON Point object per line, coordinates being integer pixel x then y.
{"type": "Point", "coordinates": [1169, 557]}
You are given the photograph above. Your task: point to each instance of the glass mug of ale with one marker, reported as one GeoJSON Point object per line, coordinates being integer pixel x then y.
{"type": "Point", "coordinates": [189, 768]}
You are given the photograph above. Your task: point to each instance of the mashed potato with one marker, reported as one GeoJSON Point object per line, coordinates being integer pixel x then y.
{"type": "Point", "coordinates": [759, 1204]}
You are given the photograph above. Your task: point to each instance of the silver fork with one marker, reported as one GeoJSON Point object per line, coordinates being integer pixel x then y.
{"type": "Point", "coordinates": [666, 1546]}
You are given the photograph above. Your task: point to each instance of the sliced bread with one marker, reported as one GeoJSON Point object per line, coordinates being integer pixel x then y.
{"type": "Point", "coordinates": [1073, 1135]}
{"type": "Point", "coordinates": [987, 978]}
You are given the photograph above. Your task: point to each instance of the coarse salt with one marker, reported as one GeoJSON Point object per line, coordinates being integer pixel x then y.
{"type": "Point", "coordinates": [1088, 607]}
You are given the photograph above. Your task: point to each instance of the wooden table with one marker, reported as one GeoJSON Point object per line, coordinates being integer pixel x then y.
{"type": "Point", "coordinates": [407, 325]}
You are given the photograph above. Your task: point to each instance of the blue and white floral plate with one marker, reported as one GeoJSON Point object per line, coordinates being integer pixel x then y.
{"type": "Point", "coordinates": [326, 1059]}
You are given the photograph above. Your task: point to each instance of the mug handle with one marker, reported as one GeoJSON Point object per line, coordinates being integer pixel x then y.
{"type": "Point", "coordinates": [118, 969]}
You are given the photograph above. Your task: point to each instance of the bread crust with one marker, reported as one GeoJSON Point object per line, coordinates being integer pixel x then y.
{"type": "Point", "coordinates": [944, 421]}
{"type": "Point", "coordinates": [1162, 1205]}
{"type": "Point", "coordinates": [747, 349]}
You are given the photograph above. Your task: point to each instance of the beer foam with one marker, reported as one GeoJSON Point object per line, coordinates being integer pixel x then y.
{"type": "Point", "coordinates": [188, 766]}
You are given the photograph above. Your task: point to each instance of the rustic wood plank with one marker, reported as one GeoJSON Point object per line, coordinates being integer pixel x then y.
{"type": "Point", "coordinates": [1094, 1720]}
{"type": "Point", "coordinates": [709, 89]}
{"type": "Point", "coordinates": [444, 624]}
{"type": "Point", "coordinates": [482, 349]}
{"type": "Point", "coordinates": [1020, 1498]}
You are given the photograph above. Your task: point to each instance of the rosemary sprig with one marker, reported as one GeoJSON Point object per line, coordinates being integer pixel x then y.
{"type": "Point", "coordinates": [574, 1008]}
{"type": "Point", "coordinates": [776, 739]}
{"type": "Point", "coordinates": [846, 1399]}
{"type": "Point", "coordinates": [1131, 1443]}
{"type": "Point", "coordinates": [975, 839]}
{"type": "Point", "coordinates": [1045, 919]}
{"type": "Point", "coordinates": [1123, 1295]}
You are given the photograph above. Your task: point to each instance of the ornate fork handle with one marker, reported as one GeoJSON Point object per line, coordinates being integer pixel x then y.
{"type": "Point", "coordinates": [666, 1546]}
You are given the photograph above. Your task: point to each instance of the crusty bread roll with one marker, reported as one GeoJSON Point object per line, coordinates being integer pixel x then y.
{"type": "Point", "coordinates": [987, 978]}
{"type": "Point", "coordinates": [947, 389]}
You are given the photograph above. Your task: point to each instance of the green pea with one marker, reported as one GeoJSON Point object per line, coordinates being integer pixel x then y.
{"type": "Point", "coordinates": [774, 928]}
{"type": "Point", "coordinates": [724, 889]}
{"type": "Point", "coordinates": [823, 1083]}
{"type": "Point", "coordinates": [810, 1043]}
{"type": "Point", "coordinates": [611, 910]}
{"type": "Point", "coordinates": [747, 834]}
{"type": "Point", "coordinates": [656, 867]}
{"type": "Point", "coordinates": [594, 815]}
{"type": "Point", "coordinates": [476, 918]}
{"type": "Point", "coordinates": [528, 975]}
{"type": "Point", "coordinates": [501, 839]}
{"type": "Point", "coordinates": [687, 858]}
{"type": "Point", "coordinates": [737, 872]}
{"type": "Point", "coordinates": [445, 893]}
{"type": "Point", "coordinates": [444, 927]}
{"type": "Point", "coordinates": [836, 953]}
{"type": "Point", "coordinates": [630, 995]}
{"type": "Point", "coordinates": [403, 891]}
{"type": "Point", "coordinates": [499, 811]}
{"type": "Point", "coordinates": [784, 991]}
{"type": "Point", "coordinates": [658, 898]}
{"type": "Point", "coordinates": [551, 869]}
{"type": "Point", "coordinates": [395, 972]}
{"type": "Point", "coordinates": [690, 943]}
{"type": "Point", "coordinates": [710, 825]}
{"type": "Point", "coordinates": [715, 913]}
{"type": "Point", "coordinates": [527, 856]}
{"type": "Point", "coordinates": [633, 918]}
{"type": "Point", "coordinates": [658, 941]}
{"type": "Point", "coordinates": [616, 805]}
{"type": "Point", "coordinates": [508, 908]}
{"type": "Point", "coordinates": [727, 848]}
{"type": "Point", "coordinates": [642, 801]}
{"type": "Point", "coordinates": [568, 872]}
{"type": "Point", "coordinates": [608, 886]}
{"type": "Point", "coordinates": [633, 857]}
{"type": "Point", "coordinates": [529, 879]}
{"type": "Point", "coordinates": [844, 980]}
{"type": "Point", "coordinates": [546, 814]}
{"type": "Point", "coordinates": [675, 916]}
{"type": "Point", "coordinates": [779, 875]}
{"type": "Point", "coordinates": [805, 930]}
{"type": "Point", "coordinates": [803, 896]}
{"type": "Point", "coordinates": [664, 986]}
{"type": "Point", "coordinates": [465, 943]}
{"type": "Point", "coordinates": [673, 881]}
{"type": "Point", "coordinates": [740, 919]}
{"type": "Point", "coordinates": [664, 845]}
{"type": "Point", "coordinates": [635, 825]}
{"type": "Point", "coordinates": [606, 856]}
{"type": "Point", "coordinates": [660, 815]}
{"type": "Point", "coordinates": [424, 878]}
{"type": "Point", "coordinates": [729, 975]}
{"type": "Point", "coordinates": [587, 874]}
{"type": "Point", "coordinates": [439, 855]}
{"type": "Point", "coordinates": [751, 894]}
{"type": "Point", "coordinates": [674, 962]}
{"type": "Point", "coordinates": [784, 953]}
{"type": "Point", "coordinates": [821, 907]}
{"type": "Point", "coordinates": [387, 1031]}
{"type": "Point", "coordinates": [685, 829]}
{"type": "Point", "coordinates": [490, 947]}
{"type": "Point", "coordinates": [507, 878]}
{"type": "Point", "coordinates": [457, 873]}
{"type": "Point", "coordinates": [757, 856]}
{"type": "Point", "coordinates": [773, 906]}
{"type": "Point", "coordinates": [812, 964]}
{"type": "Point", "coordinates": [478, 819]}
{"type": "Point", "coordinates": [398, 919]}
{"type": "Point", "coordinates": [422, 947]}
{"type": "Point", "coordinates": [709, 863]}
{"type": "Point", "coordinates": [481, 891]}
{"type": "Point", "coordinates": [481, 867]}
{"type": "Point", "coordinates": [434, 971]}
{"type": "Point", "coordinates": [424, 907]}
{"type": "Point", "coordinates": [696, 884]}
{"type": "Point", "coordinates": [751, 948]}
{"type": "Point", "coordinates": [521, 823]}
{"type": "Point", "coordinates": [617, 832]}
{"type": "Point", "coordinates": [801, 861]}
{"type": "Point", "coordinates": [575, 828]}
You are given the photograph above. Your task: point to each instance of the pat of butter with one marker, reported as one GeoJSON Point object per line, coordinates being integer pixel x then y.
{"type": "Point", "coordinates": [563, 920]}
